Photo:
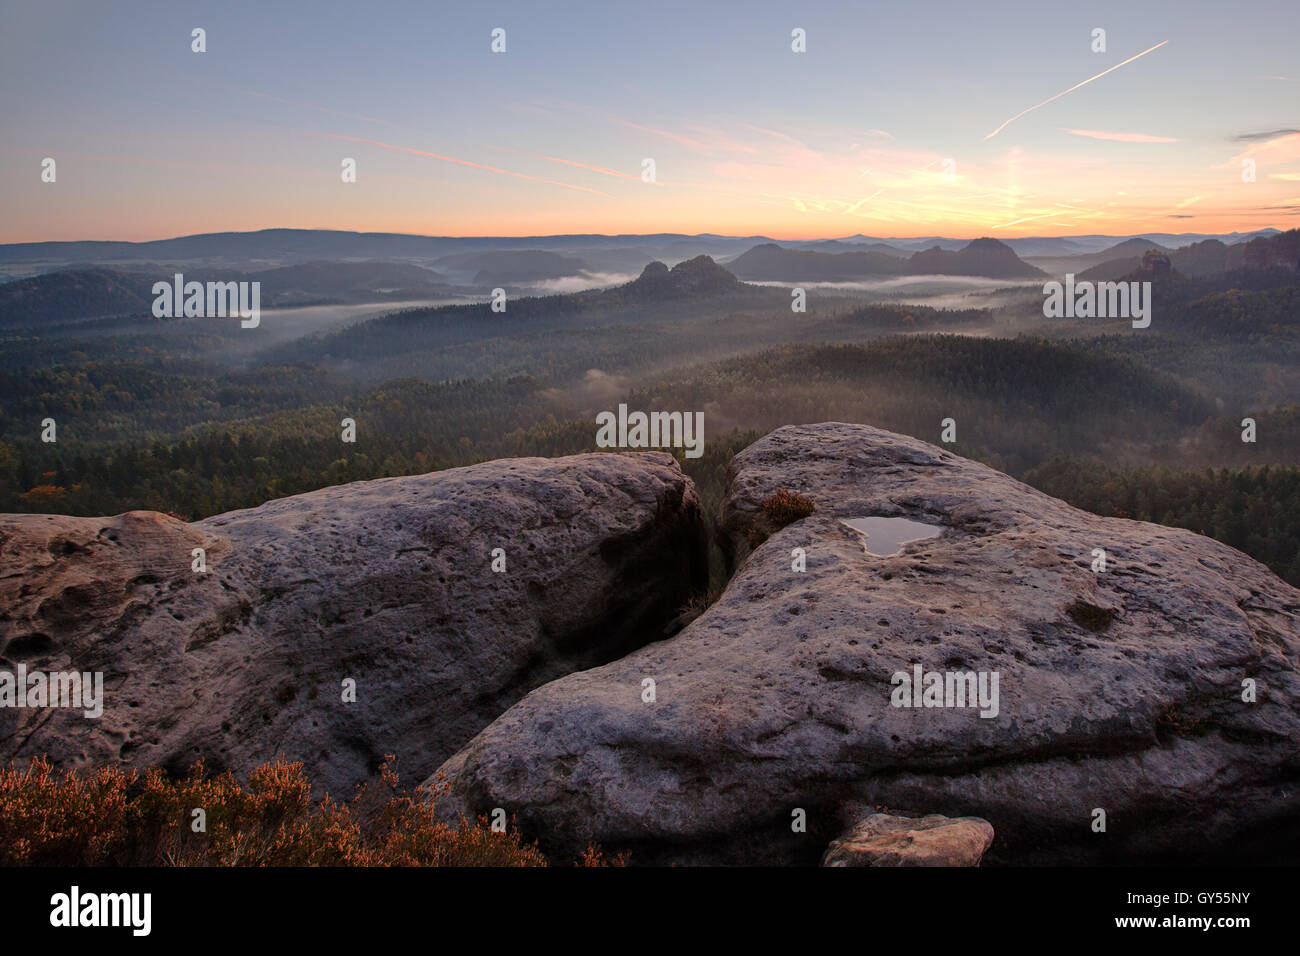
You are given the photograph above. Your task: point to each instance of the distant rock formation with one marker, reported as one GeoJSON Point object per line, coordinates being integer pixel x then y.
{"type": "Point", "coordinates": [1148, 711]}
{"type": "Point", "coordinates": [698, 276]}
{"type": "Point", "coordinates": [982, 257]}
{"type": "Point", "coordinates": [1280, 253]}
{"type": "Point", "coordinates": [885, 840]}
{"type": "Point", "coordinates": [386, 583]}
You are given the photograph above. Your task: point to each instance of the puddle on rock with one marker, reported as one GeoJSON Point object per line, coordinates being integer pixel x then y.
{"type": "Point", "coordinates": [884, 537]}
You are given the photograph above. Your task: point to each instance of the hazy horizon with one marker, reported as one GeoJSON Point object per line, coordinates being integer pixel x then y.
{"type": "Point", "coordinates": [615, 235]}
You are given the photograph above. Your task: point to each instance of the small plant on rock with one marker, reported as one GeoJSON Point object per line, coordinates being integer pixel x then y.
{"type": "Point", "coordinates": [785, 507]}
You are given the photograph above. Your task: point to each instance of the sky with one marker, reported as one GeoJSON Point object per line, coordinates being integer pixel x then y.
{"type": "Point", "coordinates": [907, 119]}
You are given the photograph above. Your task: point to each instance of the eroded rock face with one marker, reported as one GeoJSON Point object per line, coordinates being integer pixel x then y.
{"type": "Point", "coordinates": [1119, 691]}
{"type": "Point", "coordinates": [387, 583]}
{"type": "Point", "coordinates": [935, 840]}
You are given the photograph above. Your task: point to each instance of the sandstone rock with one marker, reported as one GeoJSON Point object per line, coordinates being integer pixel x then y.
{"type": "Point", "coordinates": [885, 840]}
{"type": "Point", "coordinates": [1120, 691]}
{"type": "Point", "coordinates": [385, 582]}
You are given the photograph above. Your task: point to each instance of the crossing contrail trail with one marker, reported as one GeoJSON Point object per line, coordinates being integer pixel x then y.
{"type": "Point", "coordinates": [1073, 88]}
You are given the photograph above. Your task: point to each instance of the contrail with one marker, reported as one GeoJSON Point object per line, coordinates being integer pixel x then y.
{"type": "Point", "coordinates": [571, 162]}
{"type": "Point", "coordinates": [465, 162]}
{"type": "Point", "coordinates": [1073, 88]}
{"type": "Point", "coordinates": [856, 205]}
{"type": "Point", "coordinates": [307, 106]}
{"type": "Point", "coordinates": [1016, 222]}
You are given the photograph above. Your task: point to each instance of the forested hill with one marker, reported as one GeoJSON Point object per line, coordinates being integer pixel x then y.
{"type": "Point", "coordinates": [1019, 405]}
{"type": "Point", "coordinates": [75, 294]}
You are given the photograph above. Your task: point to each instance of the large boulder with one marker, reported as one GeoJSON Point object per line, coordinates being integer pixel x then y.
{"type": "Point", "coordinates": [1148, 711]}
{"type": "Point", "coordinates": [388, 584]}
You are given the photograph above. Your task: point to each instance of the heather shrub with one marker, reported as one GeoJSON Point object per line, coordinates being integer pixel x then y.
{"type": "Point", "coordinates": [117, 817]}
{"type": "Point", "coordinates": [741, 533]}
{"type": "Point", "coordinates": [785, 507]}
{"type": "Point", "coordinates": [593, 856]}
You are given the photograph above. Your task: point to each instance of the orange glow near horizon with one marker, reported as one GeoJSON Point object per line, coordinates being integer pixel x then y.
{"type": "Point", "coordinates": [787, 190]}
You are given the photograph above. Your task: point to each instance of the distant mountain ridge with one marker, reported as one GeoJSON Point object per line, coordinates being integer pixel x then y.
{"type": "Point", "coordinates": [980, 257]}
{"type": "Point", "coordinates": [510, 266]}
{"type": "Point", "coordinates": [1276, 253]}
{"type": "Point", "coordinates": [772, 262]}
{"type": "Point", "coordinates": [983, 257]}
{"type": "Point", "coordinates": [75, 294]}
{"type": "Point", "coordinates": [267, 247]}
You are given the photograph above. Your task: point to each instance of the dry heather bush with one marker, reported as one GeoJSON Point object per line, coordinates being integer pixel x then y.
{"type": "Point", "coordinates": [740, 534]}
{"type": "Point", "coordinates": [594, 856]}
{"type": "Point", "coordinates": [785, 507]}
{"type": "Point", "coordinates": [115, 817]}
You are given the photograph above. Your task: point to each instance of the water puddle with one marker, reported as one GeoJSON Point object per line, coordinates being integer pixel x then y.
{"type": "Point", "coordinates": [884, 537]}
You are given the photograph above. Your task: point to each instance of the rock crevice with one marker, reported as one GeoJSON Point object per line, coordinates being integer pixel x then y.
{"type": "Point", "coordinates": [1120, 691]}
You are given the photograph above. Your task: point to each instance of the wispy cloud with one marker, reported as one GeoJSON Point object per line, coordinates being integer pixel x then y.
{"type": "Point", "coordinates": [570, 162]}
{"type": "Point", "coordinates": [677, 138]}
{"type": "Point", "coordinates": [1263, 135]}
{"type": "Point", "coordinates": [1279, 148]}
{"type": "Point", "coordinates": [303, 106]}
{"type": "Point", "coordinates": [464, 162]}
{"type": "Point", "coordinates": [1076, 86]}
{"type": "Point", "coordinates": [1120, 137]}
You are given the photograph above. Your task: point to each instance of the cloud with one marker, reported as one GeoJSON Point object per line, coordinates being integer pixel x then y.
{"type": "Point", "coordinates": [1281, 146]}
{"type": "Point", "coordinates": [690, 142]}
{"type": "Point", "coordinates": [580, 283]}
{"type": "Point", "coordinates": [597, 389]}
{"type": "Point", "coordinates": [1120, 137]}
{"type": "Point", "coordinates": [1263, 135]}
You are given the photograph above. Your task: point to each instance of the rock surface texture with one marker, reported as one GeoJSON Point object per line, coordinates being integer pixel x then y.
{"type": "Point", "coordinates": [1119, 690]}
{"type": "Point", "coordinates": [387, 583]}
{"type": "Point", "coordinates": [885, 840]}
